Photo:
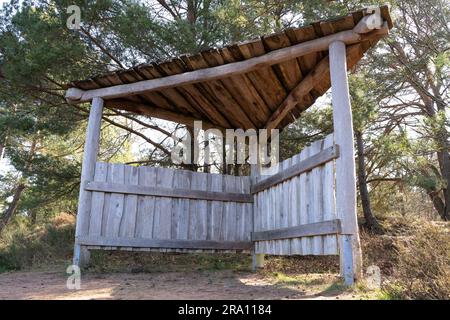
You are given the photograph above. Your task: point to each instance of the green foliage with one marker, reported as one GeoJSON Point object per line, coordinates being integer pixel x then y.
{"type": "Point", "coordinates": [23, 246]}
{"type": "Point", "coordinates": [314, 124]}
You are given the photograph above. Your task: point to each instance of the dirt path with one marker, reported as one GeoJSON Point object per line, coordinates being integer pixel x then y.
{"type": "Point", "coordinates": [169, 285]}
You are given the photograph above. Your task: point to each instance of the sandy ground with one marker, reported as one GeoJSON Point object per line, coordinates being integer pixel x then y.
{"type": "Point", "coordinates": [167, 285]}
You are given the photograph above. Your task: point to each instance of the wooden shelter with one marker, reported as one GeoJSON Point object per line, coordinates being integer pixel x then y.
{"type": "Point", "coordinates": [309, 207]}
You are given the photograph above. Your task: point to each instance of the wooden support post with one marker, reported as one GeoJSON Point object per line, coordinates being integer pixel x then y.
{"type": "Point", "coordinates": [81, 254]}
{"type": "Point", "coordinates": [257, 259]}
{"type": "Point", "coordinates": [346, 255]}
{"type": "Point", "coordinates": [345, 165]}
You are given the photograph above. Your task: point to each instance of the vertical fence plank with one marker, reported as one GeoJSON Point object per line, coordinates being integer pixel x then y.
{"type": "Point", "coordinates": [98, 201]}
{"type": "Point", "coordinates": [128, 224]}
{"type": "Point", "coordinates": [107, 203]}
{"type": "Point", "coordinates": [163, 206]}
{"type": "Point", "coordinates": [203, 214]}
{"type": "Point", "coordinates": [296, 245]}
{"type": "Point", "coordinates": [248, 220]}
{"type": "Point", "coordinates": [116, 200]}
{"type": "Point", "coordinates": [316, 207]}
{"type": "Point", "coordinates": [265, 200]}
{"type": "Point", "coordinates": [180, 215]}
{"type": "Point", "coordinates": [198, 208]}
{"type": "Point", "coordinates": [216, 212]}
{"type": "Point", "coordinates": [285, 207]}
{"type": "Point", "coordinates": [329, 207]}
{"type": "Point", "coordinates": [304, 202]}
{"type": "Point", "coordinates": [243, 209]}
{"type": "Point", "coordinates": [146, 204]}
{"type": "Point", "coordinates": [230, 209]}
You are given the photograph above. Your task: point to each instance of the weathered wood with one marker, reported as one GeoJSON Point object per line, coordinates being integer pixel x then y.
{"type": "Point", "coordinates": [345, 164]}
{"type": "Point", "coordinates": [230, 210]}
{"type": "Point", "coordinates": [193, 93]}
{"type": "Point", "coordinates": [168, 192]}
{"type": "Point", "coordinates": [255, 214]}
{"type": "Point", "coordinates": [308, 164]}
{"type": "Point", "coordinates": [257, 261]}
{"type": "Point", "coordinates": [368, 23]}
{"type": "Point", "coordinates": [216, 209]}
{"type": "Point", "coordinates": [180, 212]}
{"type": "Point", "coordinates": [98, 201]}
{"type": "Point", "coordinates": [347, 256]}
{"type": "Point", "coordinates": [128, 223]}
{"type": "Point", "coordinates": [264, 80]}
{"type": "Point", "coordinates": [165, 243]}
{"type": "Point", "coordinates": [148, 110]}
{"type": "Point", "coordinates": [320, 72]}
{"type": "Point", "coordinates": [305, 230]}
{"type": "Point", "coordinates": [199, 214]}
{"type": "Point", "coordinates": [87, 174]}
{"type": "Point", "coordinates": [214, 73]}
{"type": "Point", "coordinates": [116, 202]}
{"type": "Point", "coordinates": [329, 200]}
{"type": "Point", "coordinates": [305, 202]}
{"type": "Point", "coordinates": [284, 207]}
{"type": "Point", "coordinates": [146, 204]}
{"type": "Point", "coordinates": [163, 205]}
{"type": "Point", "coordinates": [294, 199]}
{"type": "Point", "coordinates": [316, 199]}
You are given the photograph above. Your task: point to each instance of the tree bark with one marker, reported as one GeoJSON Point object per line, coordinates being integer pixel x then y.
{"type": "Point", "coordinates": [12, 208]}
{"type": "Point", "coordinates": [193, 166]}
{"type": "Point", "coordinates": [444, 164]}
{"type": "Point", "coordinates": [10, 211]}
{"type": "Point", "coordinates": [371, 221]}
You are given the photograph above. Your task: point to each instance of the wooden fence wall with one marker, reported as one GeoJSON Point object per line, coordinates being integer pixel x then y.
{"type": "Point", "coordinates": [307, 200]}
{"type": "Point", "coordinates": [290, 211]}
{"type": "Point", "coordinates": [146, 207]}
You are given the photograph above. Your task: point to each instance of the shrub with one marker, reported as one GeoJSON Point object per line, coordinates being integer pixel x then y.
{"type": "Point", "coordinates": [423, 267]}
{"type": "Point", "coordinates": [22, 246]}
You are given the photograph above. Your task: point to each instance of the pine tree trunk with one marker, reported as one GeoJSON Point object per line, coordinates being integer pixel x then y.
{"type": "Point", "coordinates": [444, 164]}
{"type": "Point", "coordinates": [11, 210]}
{"type": "Point", "coordinates": [370, 220]}
{"type": "Point", "coordinates": [193, 166]}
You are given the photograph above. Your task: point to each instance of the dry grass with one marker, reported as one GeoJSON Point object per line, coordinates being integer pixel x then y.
{"type": "Point", "coordinates": [423, 267]}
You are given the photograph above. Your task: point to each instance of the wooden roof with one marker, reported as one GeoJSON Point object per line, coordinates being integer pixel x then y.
{"type": "Point", "coordinates": [266, 96]}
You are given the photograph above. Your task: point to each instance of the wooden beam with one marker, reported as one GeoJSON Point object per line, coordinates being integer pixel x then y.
{"type": "Point", "coordinates": [75, 95]}
{"type": "Point", "coordinates": [316, 76]}
{"type": "Point", "coordinates": [306, 165]}
{"type": "Point", "coordinates": [165, 243]}
{"type": "Point", "coordinates": [369, 23]}
{"type": "Point", "coordinates": [81, 256]}
{"type": "Point", "coordinates": [160, 113]}
{"type": "Point", "coordinates": [297, 94]}
{"type": "Point", "coordinates": [305, 230]}
{"type": "Point", "coordinates": [345, 164]}
{"type": "Point", "coordinates": [168, 192]}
